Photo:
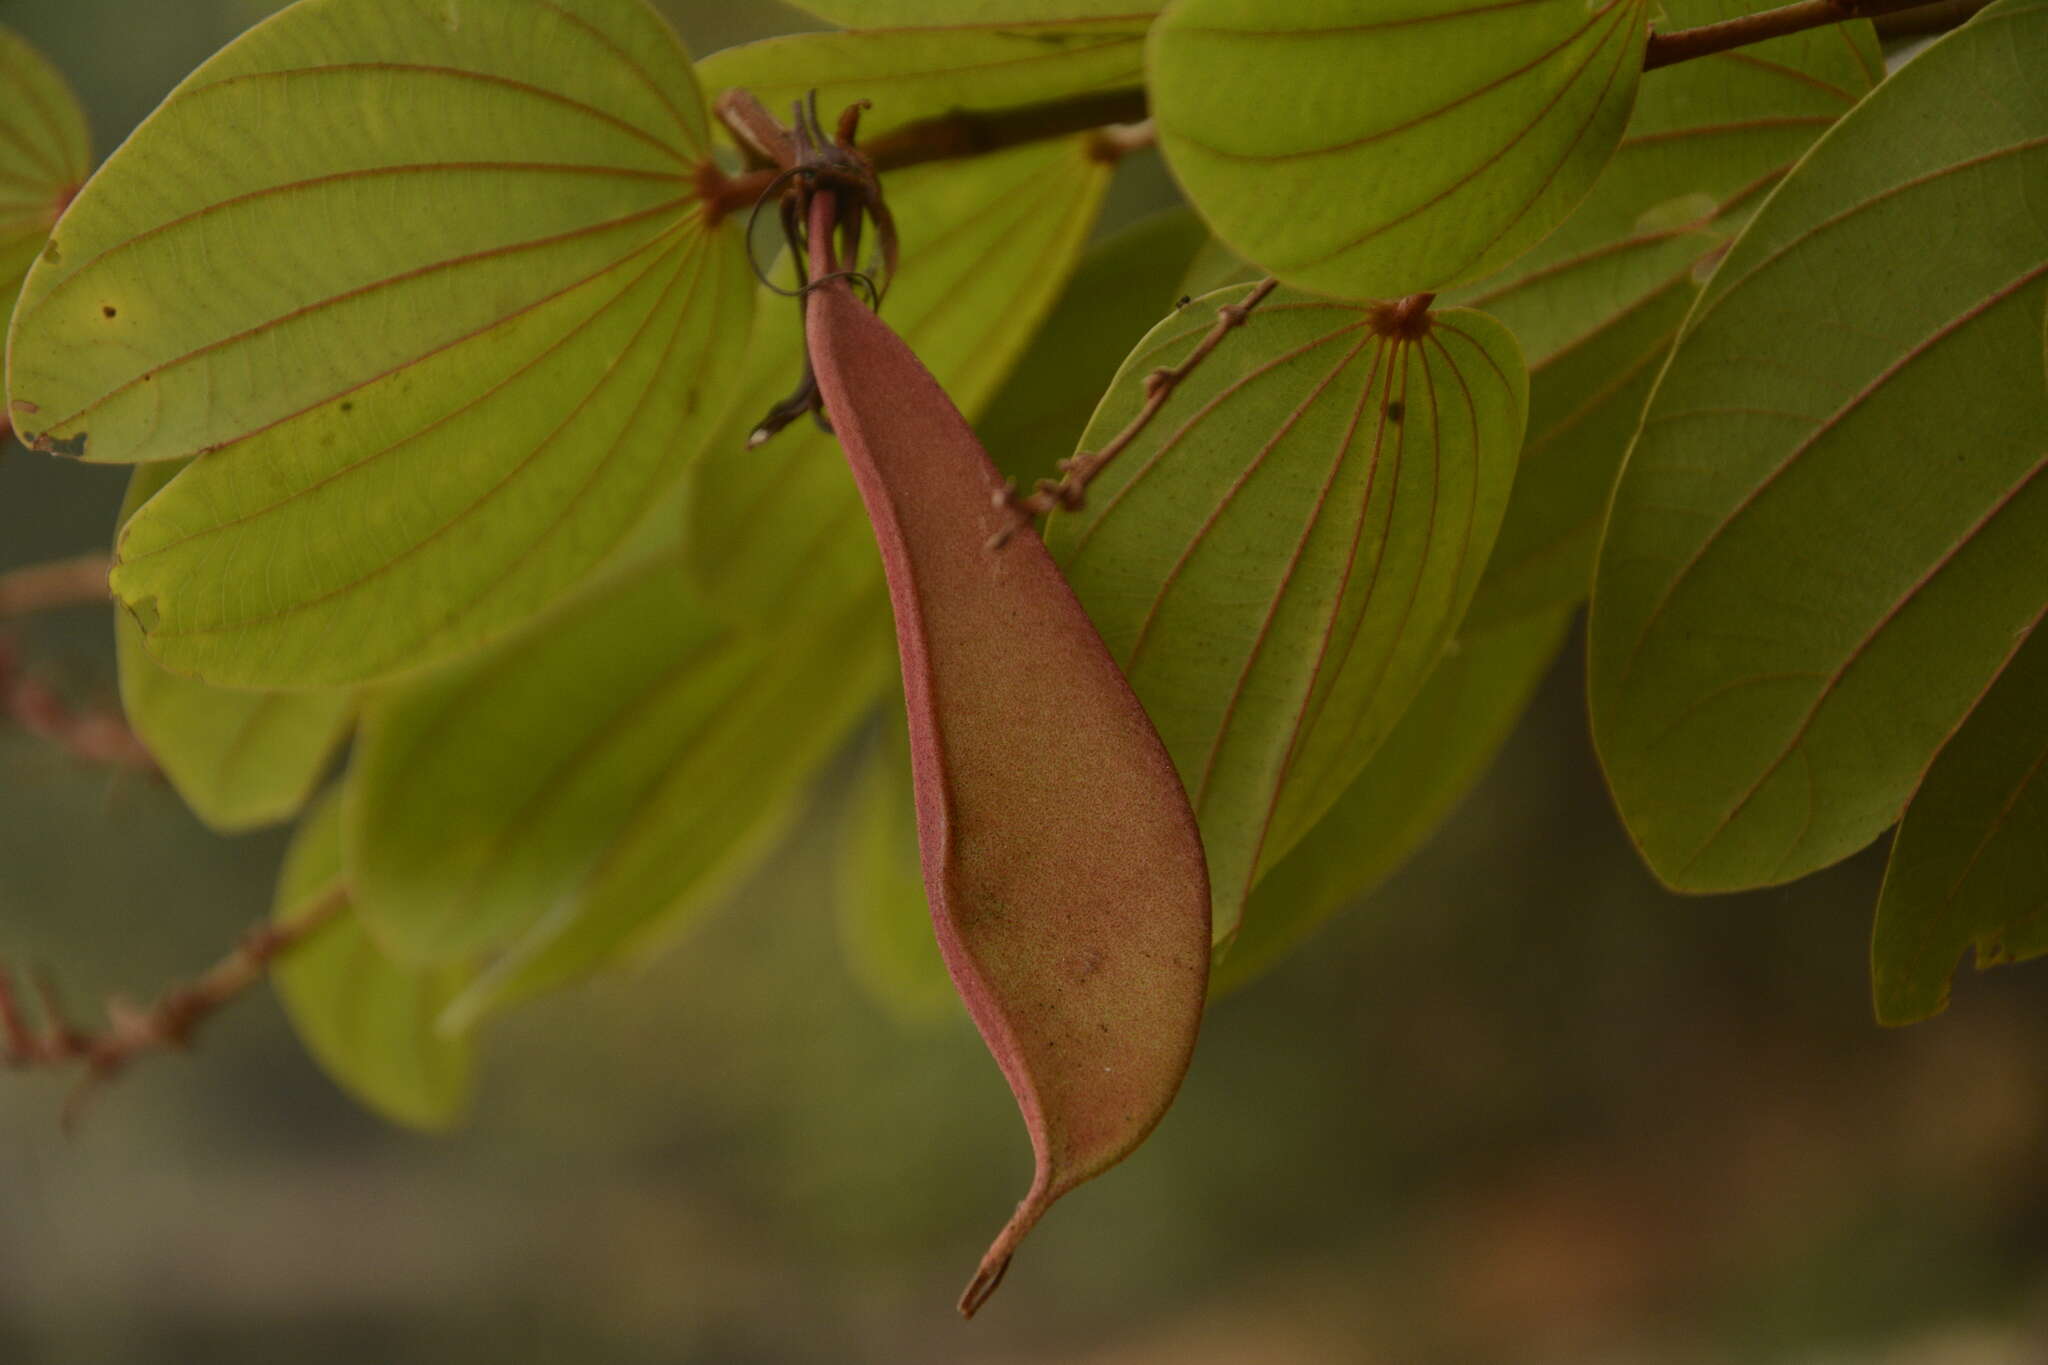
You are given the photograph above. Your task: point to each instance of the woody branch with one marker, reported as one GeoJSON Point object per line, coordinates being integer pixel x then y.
{"type": "Point", "coordinates": [166, 1025]}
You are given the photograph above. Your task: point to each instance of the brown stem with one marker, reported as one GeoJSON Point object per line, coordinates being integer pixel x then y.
{"type": "Point", "coordinates": [1938, 16]}
{"type": "Point", "coordinates": [62, 583]}
{"type": "Point", "coordinates": [953, 136]}
{"type": "Point", "coordinates": [946, 138]}
{"type": "Point", "coordinates": [1666, 49]}
{"type": "Point", "coordinates": [169, 1024]}
{"type": "Point", "coordinates": [971, 134]}
{"type": "Point", "coordinates": [93, 734]}
{"type": "Point", "coordinates": [1070, 489]}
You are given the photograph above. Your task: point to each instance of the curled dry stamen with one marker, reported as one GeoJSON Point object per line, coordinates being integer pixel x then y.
{"type": "Point", "coordinates": [836, 166]}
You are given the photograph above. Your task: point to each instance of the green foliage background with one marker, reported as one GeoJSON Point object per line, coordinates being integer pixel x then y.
{"type": "Point", "coordinates": [1523, 1107]}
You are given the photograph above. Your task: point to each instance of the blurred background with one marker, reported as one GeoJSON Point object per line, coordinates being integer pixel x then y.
{"type": "Point", "coordinates": [1520, 1106]}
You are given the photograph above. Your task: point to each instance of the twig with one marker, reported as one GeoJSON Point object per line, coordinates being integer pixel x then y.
{"type": "Point", "coordinates": [168, 1025]}
{"type": "Point", "coordinates": [1686, 44]}
{"type": "Point", "coordinates": [1070, 489]}
{"type": "Point", "coordinates": [98, 734]}
{"type": "Point", "coordinates": [1938, 16]}
{"type": "Point", "coordinates": [963, 134]}
{"type": "Point", "coordinates": [949, 137]}
{"type": "Point", "coordinates": [80, 581]}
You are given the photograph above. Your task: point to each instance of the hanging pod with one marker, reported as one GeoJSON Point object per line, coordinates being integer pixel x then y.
{"type": "Point", "coordinates": [1065, 874]}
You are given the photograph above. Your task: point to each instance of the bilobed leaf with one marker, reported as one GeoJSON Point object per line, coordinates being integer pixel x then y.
{"type": "Point", "coordinates": [1278, 561]}
{"type": "Point", "coordinates": [370, 1023]}
{"type": "Point", "coordinates": [1832, 530]}
{"type": "Point", "coordinates": [1062, 862]}
{"type": "Point", "coordinates": [885, 920]}
{"type": "Point", "coordinates": [45, 155]}
{"type": "Point", "coordinates": [561, 793]}
{"type": "Point", "coordinates": [920, 73]}
{"type": "Point", "coordinates": [1597, 304]}
{"type": "Point", "coordinates": [1121, 288]}
{"type": "Point", "coordinates": [239, 759]}
{"type": "Point", "coordinates": [875, 13]}
{"type": "Point", "coordinates": [428, 288]}
{"type": "Point", "coordinates": [1969, 867]}
{"type": "Point", "coordinates": [986, 246]}
{"type": "Point", "coordinates": [1442, 745]}
{"type": "Point", "coordinates": [1381, 151]}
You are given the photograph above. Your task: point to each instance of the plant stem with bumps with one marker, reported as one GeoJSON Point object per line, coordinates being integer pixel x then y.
{"type": "Point", "coordinates": [1071, 487]}
{"type": "Point", "coordinates": [167, 1025]}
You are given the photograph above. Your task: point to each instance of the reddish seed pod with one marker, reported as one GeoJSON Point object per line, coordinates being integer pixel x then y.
{"type": "Point", "coordinates": [1065, 873]}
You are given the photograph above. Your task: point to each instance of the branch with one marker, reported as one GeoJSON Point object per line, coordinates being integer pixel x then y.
{"type": "Point", "coordinates": [93, 735]}
{"type": "Point", "coordinates": [62, 583]}
{"type": "Point", "coordinates": [954, 136]}
{"type": "Point", "coordinates": [97, 735]}
{"type": "Point", "coordinates": [1668, 49]}
{"type": "Point", "coordinates": [949, 137]}
{"type": "Point", "coordinates": [168, 1025]}
{"type": "Point", "coordinates": [1938, 16]}
{"type": "Point", "coordinates": [970, 134]}
{"type": "Point", "coordinates": [1070, 489]}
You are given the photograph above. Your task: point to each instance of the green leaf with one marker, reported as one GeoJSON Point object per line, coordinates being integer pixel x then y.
{"type": "Point", "coordinates": [1832, 532]}
{"type": "Point", "coordinates": [1443, 744]}
{"type": "Point", "coordinates": [1969, 867]}
{"type": "Point", "coordinates": [729, 792]}
{"type": "Point", "coordinates": [1404, 152]}
{"type": "Point", "coordinates": [885, 919]}
{"type": "Point", "coordinates": [1586, 399]}
{"type": "Point", "coordinates": [913, 73]}
{"type": "Point", "coordinates": [1598, 303]}
{"type": "Point", "coordinates": [1124, 285]}
{"type": "Point", "coordinates": [239, 759]}
{"type": "Point", "coordinates": [481, 794]}
{"type": "Point", "coordinates": [986, 246]}
{"type": "Point", "coordinates": [429, 290]}
{"type": "Point", "coordinates": [45, 155]}
{"type": "Point", "coordinates": [562, 797]}
{"type": "Point", "coordinates": [370, 1023]}
{"type": "Point", "coordinates": [1278, 561]}
{"type": "Point", "coordinates": [1015, 13]}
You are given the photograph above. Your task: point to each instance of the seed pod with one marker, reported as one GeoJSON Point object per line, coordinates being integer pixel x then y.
{"type": "Point", "coordinates": [1066, 877]}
